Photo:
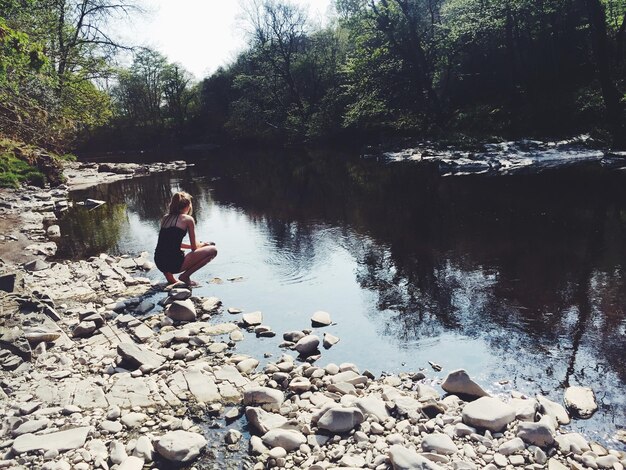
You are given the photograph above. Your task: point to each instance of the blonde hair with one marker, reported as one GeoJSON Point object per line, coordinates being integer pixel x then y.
{"type": "Point", "coordinates": [179, 202]}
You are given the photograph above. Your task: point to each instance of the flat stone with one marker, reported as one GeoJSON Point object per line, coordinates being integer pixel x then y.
{"type": "Point", "coordinates": [31, 426]}
{"type": "Point", "coordinates": [211, 304]}
{"type": "Point", "coordinates": [439, 443]}
{"type": "Point", "coordinates": [288, 439]}
{"type": "Point", "coordinates": [538, 434]}
{"type": "Point", "coordinates": [551, 408]}
{"type": "Point", "coordinates": [131, 463]}
{"type": "Point", "coordinates": [252, 318]}
{"type": "Point", "coordinates": [371, 405]}
{"type": "Point", "coordinates": [263, 396]}
{"type": "Point", "coordinates": [179, 293]}
{"type": "Point", "coordinates": [180, 446]}
{"type": "Point", "coordinates": [182, 310]}
{"type": "Point", "coordinates": [580, 402]}
{"type": "Point", "coordinates": [512, 446]}
{"type": "Point", "coordinates": [488, 413]}
{"type": "Point", "coordinates": [84, 329]}
{"type": "Point", "coordinates": [320, 318]}
{"type": "Point", "coordinates": [263, 421]}
{"type": "Point", "coordinates": [406, 459]}
{"type": "Point", "coordinates": [202, 387]}
{"type": "Point", "coordinates": [340, 420]}
{"type": "Point", "coordinates": [458, 382]}
{"type": "Point", "coordinates": [140, 357]}
{"type": "Point", "coordinates": [59, 441]}
{"type": "Point", "coordinates": [134, 419]}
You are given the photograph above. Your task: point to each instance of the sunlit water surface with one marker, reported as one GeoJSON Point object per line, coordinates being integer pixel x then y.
{"type": "Point", "coordinates": [517, 279]}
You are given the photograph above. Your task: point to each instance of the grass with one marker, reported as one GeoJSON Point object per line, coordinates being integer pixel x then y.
{"type": "Point", "coordinates": [26, 164]}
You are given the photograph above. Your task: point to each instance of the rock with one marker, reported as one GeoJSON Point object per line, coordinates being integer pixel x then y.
{"type": "Point", "coordinates": [300, 385]}
{"type": "Point", "coordinates": [550, 408]}
{"type": "Point", "coordinates": [134, 419]}
{"type": "Point", "coordinates": [307, 345]}
{"type": "Point", "coordinates": [144, 448]}
{"type": "Point", "coordinates": [36, 265]}
{"type": "Point", "coordinates": [252, 318]}
{"type": "Point", "coordinates": [180, 446]}
{"type": "Point", "coordinates": [37, 335]}
{"type": "Point", "coordinates": [233, 436]}
{"type": "Point", "coordinates": [406, 459]}
{"type": "Point", "coordinates": [182, 310]}
{"type": "Point", "coordinates": [179, 293]}
{"type": "Point", "coordinates": [321, 319]}
{"type": "Point", "coordinates": [140, 357]}
{"type": "Point", "coordinates": [84, 329]}
{"type": "Point", "coordinates": [512, 446]}
{"type": "Point", "coordinates": [340, 420]}
{"type": "Point", "coordinates": [59, 441]}
{"type": "Point", "coordinates": [31, 426]}
{"type": "Point", "coordinates": [211, 304]}
{"type": "Point", "coordinates": [554, 464]}
{"type": "Point", "coordinates": [293, 336]}
{"type": "Point", "coordinates": [329, 340]}
{"type": "Point", "coordinates": [538, 434]}
{"type": "Point", "coordinates": [439, 443]}
{"type": "Point", "coordinates": [54, 231]}
{"type": "Point", "coordinates": [144, 307]}
{"type": "Point", "coordinates": [580, 402]}
{"type": "Point", "coordinates": [288, 439]}
{"type": "Point", "coordinates": [236, 335]}
{"type": "Point", "coordinates": [117, 452]}
{"type": "Point", "coordinates": [131, 463]}
{"type": "Point", "coordinates": [263, 396]}
{"type": "Point", "coordinates": [458, 382]}
{"type": "Point", "coordinates": [488, 413]}
{"type": "Point", "coordinates": [374, 406]}
{"type": "Point", "coordinates": [262, 421]}
{"type": "Point", "coordinates": [247, 365]}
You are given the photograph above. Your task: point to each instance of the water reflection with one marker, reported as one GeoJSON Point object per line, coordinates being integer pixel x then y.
{"type": "Point", "coordinates": [523, 273]}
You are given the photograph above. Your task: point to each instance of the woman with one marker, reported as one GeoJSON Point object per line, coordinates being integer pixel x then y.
{"type": "Point", "coordinates": [168, 256]}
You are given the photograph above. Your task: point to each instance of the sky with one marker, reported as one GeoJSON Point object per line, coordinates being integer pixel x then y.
{"type": "Point", "coordinates": [202, 35]}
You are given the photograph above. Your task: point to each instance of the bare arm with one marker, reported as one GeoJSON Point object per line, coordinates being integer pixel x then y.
{"type": "Point", "coordinates": [193, 244]}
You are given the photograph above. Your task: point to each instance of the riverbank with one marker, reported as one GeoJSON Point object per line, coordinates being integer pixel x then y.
{"type": "Point", "coordinates": [123, 373]}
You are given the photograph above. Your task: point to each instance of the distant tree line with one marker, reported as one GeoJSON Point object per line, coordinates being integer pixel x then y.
{"type": "Point", "coordinates": [375, 70]}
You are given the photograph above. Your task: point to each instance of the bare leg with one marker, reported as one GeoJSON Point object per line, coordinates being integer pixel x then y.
{"type": "Point", "coordinates": [195, 260]}
{"type": "Point", "coordinates": [170, 278]}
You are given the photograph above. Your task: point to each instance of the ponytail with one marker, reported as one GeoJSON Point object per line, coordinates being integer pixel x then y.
{"type": "Point", "coordinates": [179, 202]}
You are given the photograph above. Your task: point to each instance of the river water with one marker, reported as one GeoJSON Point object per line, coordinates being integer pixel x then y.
{"type": "Point", "coordinates": [517, 278]}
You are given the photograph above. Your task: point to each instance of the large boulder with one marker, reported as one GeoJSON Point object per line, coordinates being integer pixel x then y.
{"type": "Point", "coordinates": [180, 446]}
{"type": "Point", "coordinates": [140, 357]}
{"type": "Point", "coordinates": [320, 318]}
{"type": "Point", "coordinates": [340, 420]}
{"type": "Point", "coordinates": [308, 345]}
{"type": "Point", "coordinates": [182, 310]}
{"type": "Point", "coordinates": [488, 413]}
{"type": "Point", "coordinates": [458, 382]}
{"type": "Point", "coordinates": [553, 409]}
{"type": "Point", "coordinates": [580, 402]}
{"type": "Point", "coordinates": [56, 441]}
{"type": "Point", "coordinates": [263, 396]}
{"type": "Point", "coordinates": [262, 421]}
{"type": "Point", "coordinates": [288, 439]}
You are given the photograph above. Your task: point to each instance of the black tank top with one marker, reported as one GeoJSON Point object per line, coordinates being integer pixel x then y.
{"type": "Point", "coordinates": [170, 238]}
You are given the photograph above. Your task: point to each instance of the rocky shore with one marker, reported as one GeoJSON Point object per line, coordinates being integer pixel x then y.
{"type": "Point", "coordinates": [102, 368]}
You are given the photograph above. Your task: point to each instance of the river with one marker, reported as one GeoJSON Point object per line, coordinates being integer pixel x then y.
{"type": "Point", "coordinates": [518, 278]}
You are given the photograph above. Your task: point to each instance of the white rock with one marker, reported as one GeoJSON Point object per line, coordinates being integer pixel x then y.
{"type": "Point", "coordinates": [117, 452]}
{"type": "Point", "coordinates": [252, 318]}
{"type": "Point", "coordinates": [580, 401]}
{"type": "Point", "coordinates": [458, 382]}
{"type": "Point", "coordinates": [233, 436]}
{"type": "Point", "coordinates": [538, 434]}
{"type": "Point", "coordinates": [182, 310]}
{"type": "Point", "coordinates": [550, 408]}
{"type": "Point", "coordinates": [60, 441]}
{"type": "Point", "coordinates": [330, 340]}
{"type": "Point", "coordinates": [374, 406]}
{"type": "Point", "coordinates": [340, 420]}
{"type": "Point", "coordinates": [407, 459]}
{"type": "Point", "coordinates": [131, 463]}
{"type": "Point", "coordinates": [288, 439]}
{"type": "Point", "coordinates": [144, 448]}
{"type": "Point", "coordinates": [511, 446]}
{"type": "Point", "coordinates": [300, 385]}
{"type": "Point", "coordinates": [247, 365]}
{"type": "Point", "coordinates": [263, 396]}
{"type": "Point", "coordinates": [134, 419]}
{"type": "Point", "coordinates": [488, 413]}
{"type": "Point", "coordinates": [321, 318]}
{"type": "Point", "coordinates": [180, 446]}
{"type": "Point", "coordinates": [308, 345]}
{"type": "Point", "coordinates": [439, 443]}
{"type": "Point", "coordinates": [263, 421]}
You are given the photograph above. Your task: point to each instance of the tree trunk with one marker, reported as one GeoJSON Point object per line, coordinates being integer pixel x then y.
{"type": "Point", "coordinates": [610, 94]}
